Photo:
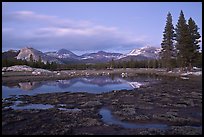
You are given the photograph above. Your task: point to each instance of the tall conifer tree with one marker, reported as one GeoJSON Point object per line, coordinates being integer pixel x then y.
{"type": "Point", "coordinates": [194, 42]}
{"type": "Point", "coordinates": [187, 38]}
{"type": "Point", "coordinates": [182, 41]}
{"type": "Point", "coordinates": [167, 44]}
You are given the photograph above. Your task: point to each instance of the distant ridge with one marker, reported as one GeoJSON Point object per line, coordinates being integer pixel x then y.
{"type": "Point", "coordinates": [64, 56]}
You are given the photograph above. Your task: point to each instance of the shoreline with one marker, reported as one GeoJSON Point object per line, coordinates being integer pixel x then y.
{"type": "Point", "coordinates": [26, 76]}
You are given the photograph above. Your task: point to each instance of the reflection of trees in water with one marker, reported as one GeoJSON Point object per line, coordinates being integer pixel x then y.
{"type": "Point", "coordinates": [11, 85]}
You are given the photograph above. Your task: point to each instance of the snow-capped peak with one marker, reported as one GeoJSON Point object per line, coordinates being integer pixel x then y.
{"type": "Point", "coordinates": [147, 51]}
{"type": "Point", "coordinates": [135, 52]}
{"type": "Point", "coordinates": [63, 54]}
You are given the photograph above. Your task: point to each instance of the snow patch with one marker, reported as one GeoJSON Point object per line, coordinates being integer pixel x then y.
{"type": "Point", "coordinates": [135, 84]}
{"type": "Point", "coordinates": [87, 57]}
{"type": "Point", "coordinates": [124, 75]}
{"type": "Point", "coordinates": [198, 73]}
{"type": "Point", "coordinates": [4, 68]}
{"type": "Point", "coordinates": [147, 51]}
{"type": "Point", "coordinates": [39, 71]}
{"type": "Point", "coordinates": [184, 78]}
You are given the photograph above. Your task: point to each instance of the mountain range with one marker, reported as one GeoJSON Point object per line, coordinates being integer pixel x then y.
{"type": "Point", "coordinates": [64, 56]}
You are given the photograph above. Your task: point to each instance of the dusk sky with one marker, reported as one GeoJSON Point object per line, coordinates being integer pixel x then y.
{"type": "Point", "coordinates": [84, 27]}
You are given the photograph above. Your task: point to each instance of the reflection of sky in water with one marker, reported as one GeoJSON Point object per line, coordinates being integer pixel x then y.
{"type": "Point", "coordinates": [89, 84]}
{"type": "Point", "coordinates": [32, 106]}
{"type": "Point", "coordinates": [17, 106]}
{"type": "Point", "coordinates": [108, 118]}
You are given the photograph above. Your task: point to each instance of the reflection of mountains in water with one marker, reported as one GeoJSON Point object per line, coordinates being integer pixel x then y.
{"type": "Point", "coordinates": [63, 84]}
{"type": "Point", "coordinates": [99, 81]}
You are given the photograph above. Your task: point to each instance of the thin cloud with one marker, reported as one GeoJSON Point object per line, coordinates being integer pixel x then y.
{"type": "Point", "coordinates": [59, 33]}
{"type": "Point", "coordinates": [29, 17]}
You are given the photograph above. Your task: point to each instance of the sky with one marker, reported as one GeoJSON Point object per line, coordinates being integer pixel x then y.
{"type": "Point", "coordinates": [84, 27]}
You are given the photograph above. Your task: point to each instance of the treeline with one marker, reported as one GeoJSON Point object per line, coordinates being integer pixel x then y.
{"type": "Point", "coordinates": [112, 64]}
{"type": "Point", "coordinates": [136, 64]}
{"type": "Point", "coordinates": [109, 65]}
{"type": "Point", "coordinates": [181, 43]}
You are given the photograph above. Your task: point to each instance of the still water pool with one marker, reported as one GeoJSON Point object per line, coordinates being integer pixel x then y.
{"type": "Point", "coordinates": [109, 119]}
{"type": "Point", "coordinates": [93, 85]}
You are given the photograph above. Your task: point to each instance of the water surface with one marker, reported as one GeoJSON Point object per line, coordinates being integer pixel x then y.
{"type": "Point", "coordinates": [93, 85]}
{"type": "Point", "coordinates": [108, 118]}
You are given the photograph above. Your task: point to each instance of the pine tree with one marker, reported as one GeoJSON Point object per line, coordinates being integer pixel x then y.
{"type": "Point", "coordinates": [40, 59]}
{"type": "Point", "coordinates": [31, 57]}
{"type": "Point", "coordinates": [131, 63]}
{"type": "Point", "coordinates": [182, 41]}
{"type": "Point", "coordinates": [47, 66]}
{"type": "Point", "coordinates": [112, 64]}
{"type": "Point", "coordinates": [194, 42]}
{"type": "Point", "coordinates": [167, 44]}
{"type": "Point", "coordinates": [40, 63]}
{"type": "Point", "coordinates": [31, 63]}
{"type": "Point", "coordinates": [187, 37]}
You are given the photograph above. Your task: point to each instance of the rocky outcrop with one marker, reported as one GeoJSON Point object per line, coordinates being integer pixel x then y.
{"type": "Point", "coordinates": [35, 71]}
{"type": "Point", "coordinates": [25, 54]}
{"type": "Point", "coordinates": [17, 68]}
